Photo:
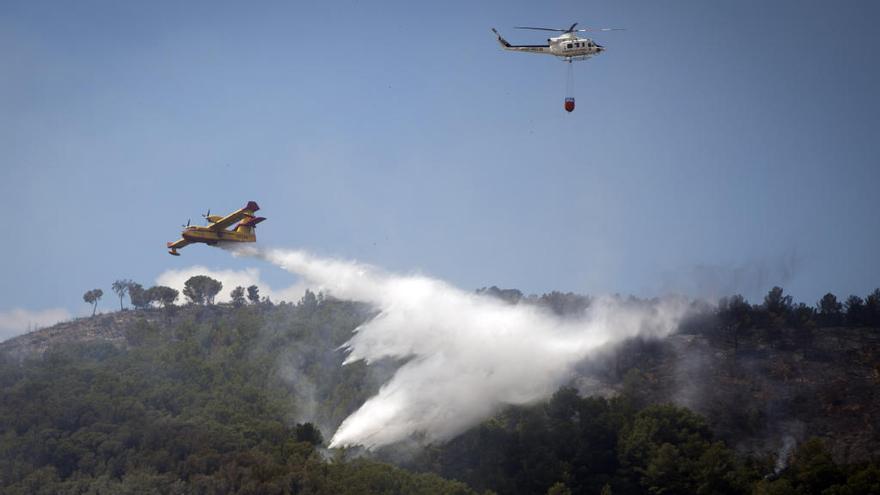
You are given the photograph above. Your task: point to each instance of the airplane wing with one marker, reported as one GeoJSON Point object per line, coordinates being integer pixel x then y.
{"type": "Point", "coordinates": [178, 244]}
{"type": "Point", "coordinates": [174, 246]}
{"type": "Point", "coordinates": [228, 220]}
{"type": "Point", "coordinates": [520, 48]}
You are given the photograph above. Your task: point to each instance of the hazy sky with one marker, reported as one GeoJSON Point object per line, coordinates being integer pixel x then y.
{"type": "Point", "coordinates": [716, 147]}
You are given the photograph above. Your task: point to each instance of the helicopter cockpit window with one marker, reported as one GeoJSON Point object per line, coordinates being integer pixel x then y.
{"type": "Point", "coordinates": [568, 45]}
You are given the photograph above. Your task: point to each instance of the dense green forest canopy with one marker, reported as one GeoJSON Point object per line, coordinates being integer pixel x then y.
{"type": "Point", "coordinates": [197, 406]}
{"type": "Point", "coordinates": [240, 398]}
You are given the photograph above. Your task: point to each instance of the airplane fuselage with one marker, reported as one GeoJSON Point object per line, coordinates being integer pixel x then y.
{"type": "Point", "coordinates": [208, 236]}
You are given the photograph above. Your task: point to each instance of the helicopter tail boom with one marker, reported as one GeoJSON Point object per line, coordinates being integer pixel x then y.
{"type": "Point", "coordinates": [520, 48]}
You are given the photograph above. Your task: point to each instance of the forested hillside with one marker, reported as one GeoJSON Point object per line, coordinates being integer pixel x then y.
{"type": "Point", "coordinates": [193, 402]}
{"type": "Point", "coordinates": [242, 398]}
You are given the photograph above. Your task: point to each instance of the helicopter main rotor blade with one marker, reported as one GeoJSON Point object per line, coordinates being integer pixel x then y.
{"type": "Point", "coordinates": [584, 30]}
{"type": "Point", "coordinates": [540, 29]}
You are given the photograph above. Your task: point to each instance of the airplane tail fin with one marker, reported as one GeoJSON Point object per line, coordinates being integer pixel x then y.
{"type": "Point", "coordinates": [247, 225]}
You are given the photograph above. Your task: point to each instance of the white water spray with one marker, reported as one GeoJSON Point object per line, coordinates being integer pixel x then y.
{"type": "Point", "coordinates": [468, 354]}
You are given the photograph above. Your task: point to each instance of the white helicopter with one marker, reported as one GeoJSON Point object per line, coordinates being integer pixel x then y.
{"type": "Point", "coordinates": [567, 46]}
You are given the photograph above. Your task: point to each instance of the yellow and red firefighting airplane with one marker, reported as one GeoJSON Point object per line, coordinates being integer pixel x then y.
{"type": "Point", "coordinates": [217, 229]}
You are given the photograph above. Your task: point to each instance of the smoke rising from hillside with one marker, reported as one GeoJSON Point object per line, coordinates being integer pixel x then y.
{"type": "Point", "coordinates": [468, 354]}
{"type": "Point", "coordinates": [752, 278]}
{"type": "Point", "coordinates": [18, 321]}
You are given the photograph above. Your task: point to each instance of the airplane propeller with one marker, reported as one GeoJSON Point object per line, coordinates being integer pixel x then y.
{"type": "Point", "coordinates": [187, 223]}
{"type": "Point", "coordinates": [206, 215]}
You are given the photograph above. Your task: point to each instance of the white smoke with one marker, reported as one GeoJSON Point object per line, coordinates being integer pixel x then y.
{"type": "Point", "coordinates": [17, 321]}
{"type": "Point", "coordinates": [467, 354]}
{"type": "Point", "coordinates": [176, 279]}
{"type": "Point", "coordinates": [784, 454]}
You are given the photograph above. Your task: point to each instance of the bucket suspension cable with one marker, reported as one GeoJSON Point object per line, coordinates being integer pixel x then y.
{"type": "Point", "coordinates": [569, 86]}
